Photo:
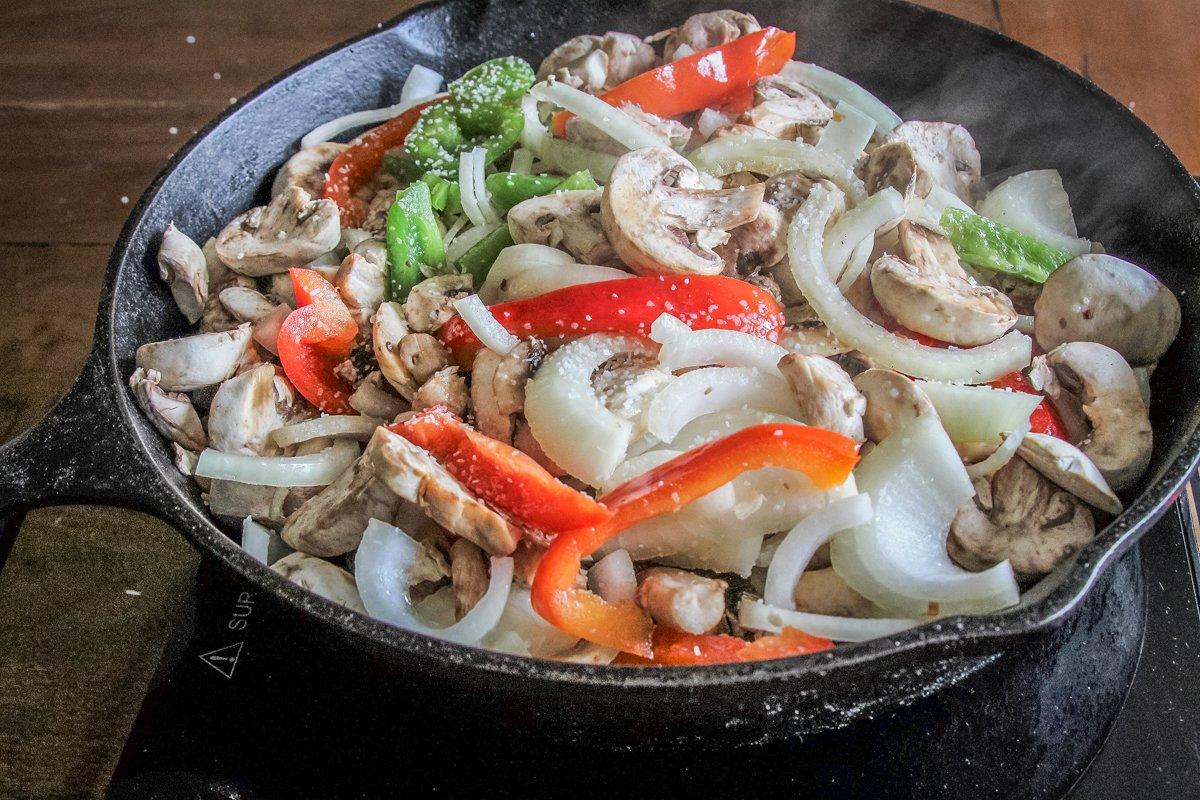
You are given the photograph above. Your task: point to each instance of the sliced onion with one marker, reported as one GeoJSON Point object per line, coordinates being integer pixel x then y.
{"type": "Point", "coordinates": [522, 631]}
{"type": "Point", "coordinates": [525, 270]}
{"type": "Point", "coordinates": [382, 566]}
{"type": "Point", "coordinates": [759, 616]}
{"type": "Point", "coordinates": [704, 391]}
{"type": "Point", "coordinates": [522, 161]}
{"type": "Point", "coordinates": [805, 250]}
{"type": "Point", "coordinates": [772, 156]}
{"type": "Point", "coordinates": [720, 424]}
{"type": "Point", "coordinates": [710, 120]}
{"type": "Point", "coordinates": [472, 191]}
{"type": "Point", "coordinates": [917, 484]}
{"type": "Point", "coordinates": [881, 210]}
{"type": "Point", "coordinates": [261, 543]}
{"type": "Point", "coordinates": [465, 241]}
{"type": "Point", "coordinates": [335, 426]}
{"type": "Point", "coordinates": [979, 413]}
{"type": "Point", "coordinates": [558, 154]}
{"type": "Point", "coordinates": [859, 258]}
{"type": "Point", "coordinates": [683, 347]}
{"type": "Point", "coordinates": [485, 326]}
{"type": "Point", "coordinates": [797, 548]}
{"type": "Point", "coordinates": [566, 417]}
{"type": "Point", "coordinates": [612, 121]}
{"type": "Point", "coordinates": [613, 578]}
{"type": "Point", "coordinates": [1001, 455]}
{"type": "Point", "coordinates": [847, 135]}
{"type": "Point", "coordinates": [837, 87]}
{"type": "Point", "coordinates": [318, 469]}
{"type": "Point", "coordinates": [774, 499]}
{"type": "Point", "coordinates": [336, 127]}
{"type": "Point", "coordinates": [421, 82]}
{"type": "Point", "coordinates": [1036, 204]}
{"type": "Point", "coordinates": [482, 198]}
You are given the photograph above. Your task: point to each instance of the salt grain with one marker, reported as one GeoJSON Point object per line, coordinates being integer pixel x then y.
{"type": "Point", "coordinates": [124, 200]}
{"type": "Point", "coordinates": [172, 130]}
{"type": "Point", "coordinates": [190, 39]}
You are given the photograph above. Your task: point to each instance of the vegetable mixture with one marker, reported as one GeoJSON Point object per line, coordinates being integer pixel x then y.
{"type": "Point", "coordinates": [673, 351]}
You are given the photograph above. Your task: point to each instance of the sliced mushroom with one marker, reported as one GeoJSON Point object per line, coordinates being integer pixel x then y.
{"type": "Point", "coordinates": [1066, 466]}
{"type": "Point", "coordinates": [383, 194]}
{"type": "Point", "coordinates": [292, 229]}
{"type": "Point", "coordinates": [586, 134]}
{"type": "Point", "coordinates": [1020, 516]}
{"type": "Point", "coordinates": [660, 220]}
{"type": "Point", "coordinates": [787, 109]}
{"type": "Point", "coordinates": [917, 156]}
{"type": "Point", "coordinates": [246, 409]}
{"type": "Point", "coordinates": [412, 474]}
{"type": "Point", "coordinates": [498, 387]}
{"type": "Point", "coordinates": [241, 500]}
{"type": "Point", "coordinates": [171, 413]}
{"type": "Point", "coordinates": [787, 190]}
{"type": "Point", "coordinates": [191, 362]}
{"type": "Point", "coordinates": [566, 220]}
{"type": "Point", "coordinates": [430, 304]}
{"type": "Point", "coordinates": [941, 301]}
{"type": "Point", "coordinates": [739, 129]}
{"type": "Point", "coordinates": [307, 169]}
{"type": "Point", "coordinates": [332, 522]}
{"type": "Point", "coordinates": [468, 575]}
{"type": "Point", "coordinates": [595, 63]}
{"type": "Point", "coordinates": [388, 330]}
{"type": "Point", "coordinates": [181, 264]}
{"type": "Point", "coordinates": [626, 383]}
{"type": "Point", "coordinates": [1094, 380]}
{"type": "Point", "coordinates": [215, 316]}
{"type": "Point", "coordinates": [321, 577]}
{"type": "Point", "coordinates": [682, 600]}
{"type": "Point", "coordinates": [362, 284]}
{"type": "Point", "coordinates": [893, 400]}
{"type": "Point", "coordinates": [1101, 298]}
{"type": "Point", "coordinates": [826, 394]}
{"type": "Point", "coordinates": [246, 305]}
{"type": "Point", "coordinates": [373, 400]}
{"type": "Point", "coordinates": [709, 29]}
{"type": "Point", "coordinates": [759, 244]}
{"type": "Point", "coordinates": [444, 388]}
{"type": "Point", "coordinates": [822, 591]}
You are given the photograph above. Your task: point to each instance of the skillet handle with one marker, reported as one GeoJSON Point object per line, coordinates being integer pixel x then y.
{"type": "Point", "coordinates": [83, 451]}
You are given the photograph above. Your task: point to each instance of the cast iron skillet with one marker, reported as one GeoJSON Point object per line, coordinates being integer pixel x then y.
{"type": "Point", "coordinates": [1025, 111]}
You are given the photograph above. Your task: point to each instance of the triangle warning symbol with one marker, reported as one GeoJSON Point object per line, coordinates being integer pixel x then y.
{"type": "Point", "coordinates": [223, 659]}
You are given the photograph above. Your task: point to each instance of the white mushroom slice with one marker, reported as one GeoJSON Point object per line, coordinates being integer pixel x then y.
{"type": "Point", "coordinates": [658, 219]}
{"type": "Point", "coordinates": [682, 600]}
{"type": "Point", "coordinates": [171, 413]}
{"type": "Point", "coordinates": [321, 577]}
{"type": "Point", "coordinates": [759, 244]}
{"type": "Point", "coordinates": [307, 169]}
{"type": "Point", "coordinates": [332, 522]}
{"type": "Point", "coordinates": [626, 383]}
{"type": "Point", "coordinates": [595, 63]}
{"type": "Point", "coordinates": [941, 302]}
{"type": "Point", "coordinates": [822, 591]}
{"type": "Point", "coordinates": [565, 220]}
{"type": "Point", "coordinates": [246, 305]}
{"type": "Point", "coordinates": [498, 387]}
{"type": "Point", "coordinates": [195, 361]}
{"type": "Point", "coordinates": [827, 396]}
{"type": "Point", "coordinates": [245, 410]}
{"type": "Point", "coordinates": [220, 277]}
{"type": "Point", "coordinates": [292, 229]}
{"type": "Point", "coordinates": [430, 304]}
{"type": "Point", "coordinates": [708, 29]}
{"type": "Point", "coordinates": [587, 134]}
{"type": "Point", "coordinates": [444, 388]}
{"type": "Point", "coordinates": [181, 264]}
{"type": "Point", "coordinates": [787, 109]}
{"type": "Point", "coordinates": [413, 474]}
{"type": "Point", "coordinates": [1021, 517]}
{"type": "Point", "coordinates": [468, 575]}
{"type": "Point", "coordinates": [388, 329]}
{"type": "Point", "coordinates": [1066, 466]}
{"type": "Point", "coordinates": [362, 283]}
{"type": "Point", "coordinates": [917, 156]}
{"type": "Point", "coordinates": [1103, 386]}
{"type": "Point", "coordinates": [893, 400]}
{"type": "Point", "coordinates": [371, 399]}
{"type": "Point", "coordinates": [1101, 298]}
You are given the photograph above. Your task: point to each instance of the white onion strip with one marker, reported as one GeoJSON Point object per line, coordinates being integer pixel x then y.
{"type": "Point", "coordinates": [797, 548]}
{"type": "Point", "coordinates": [759, 616]}
{"type": "Point", "coordinates": [421, 82]}
{"type": "Point", "coordinates": [485, 326]}
{"type": "Point", "coordinates": [1007, 354]}
{"type": "Point", "coordinates": [857, 265]}
{"type": "Point", "coordinates": [881, 210]}
{"type": "Point", "coordinates": [1036, 204]}
{"type": "Point", "coordinates": [838, 87]}
{"type": "Point", "coordinates": [711, 389]}
{"type": "Point", "coordinates": [772, 156]}
{"type": "Point", "coordinates": [466, 189]}
{"type": "Point", "coordinates": [382, 565]}
{"type": "Point", "coordinates": [613, 578]}
{"type": "Point", "coordinates": [522, 161]}
{"type": "Point", "coordinates": [335, 426]}
{"type": "Point", "coordinates": [610, 120]}
{"type": "Point", "coordinates": [318, 469]}
{"type": "Point", "coordinates": [358, 119]}
{"type": "Point", "coordinates": [560, 155]}
{"type": "Point", "coordinates": [1001, 455]}
{"type": "Point", "coordinates": [847, 135]}
{"type": "Point", "coordinates": [683, 347]}
{"type": "Point", "coordinates": [978, 413]}
{"type": "Point", "coordinates": [525, 270]}
{"type": "Point", "coordinates": [261, 543]}
{"type": "Point", "coordinates": [465, 240]}
{"type": "Point", "coordinates": [482, 198]}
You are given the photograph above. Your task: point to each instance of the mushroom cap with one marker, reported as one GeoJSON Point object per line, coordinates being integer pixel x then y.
{"type": "Point", "coordinates": [192, 362]}
{"type": "Point", "coordinates": [893, 400]}
{"type": "Point", "coordinates": [1066, 466]}
{"type": "Point", "coordinates": [709, 29]}
{"type": "Point", "coordinates": [321, 577]}
{"type": "Point", "coordinates": [245, 304]}
{"type": "Point", "coordinates": [430, 304]}
{"type": "Point", "coordinates": [940, 303]}
{"type": "Point", "coordinates": [653, 201]}
{"type": "Point", "coordinates": [566, 220]}
{"type": "Point", "coordinates": [943, 154]}
{"type": "Point", "coordinates": [292, 229]}
{"type": "Point", "coordinates": [827, 396]}
{"type": "Point", "coordinates": [172, 413]}
{"type": "Point", "coordinates": [1101, 298]}
{"type": "Point", "coordinates": [332, 522]}
{"type": "Point", "coordinates": [181, 263]}
{"type": "Point", "coordinates": [307, 168]}
{"type": "Point", "coordinates": [244, 411]}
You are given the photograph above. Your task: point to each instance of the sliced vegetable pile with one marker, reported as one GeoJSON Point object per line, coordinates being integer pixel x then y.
{"type": "Point", "coordinates": [547, 362]}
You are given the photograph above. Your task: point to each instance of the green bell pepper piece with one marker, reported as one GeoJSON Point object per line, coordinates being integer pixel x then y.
{"type": "Point", "coordinates": [444, 195]}
{"type": "Point", "coordinates": [501, 81]}
{"type": "Point", "coordinates": [413, 239]}
{"type": "Point", "coordinates": [983, 243]}
{"type": "Point", "coordinates": [479, 259]}
{"type": "Point", "coordinates": [506, 189]}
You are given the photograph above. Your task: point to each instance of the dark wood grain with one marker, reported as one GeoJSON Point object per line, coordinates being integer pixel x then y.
{"type": "Point", "coordinates": [95, 98]}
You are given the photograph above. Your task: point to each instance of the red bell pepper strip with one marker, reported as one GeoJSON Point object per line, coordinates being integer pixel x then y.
{"type": "Point", "coordinates": [826, 457]}
{"type": "Point", "coordinates": [500, 475]}
{"type": "Point", "coordinates": [314, 339]}
{"type": "Point", "coordinates": [673, 647]}
{"type": "Point", "coordinates": [701, 79]}
{"type": "Point", "coordinates": [358, 163]}
{"type": "Point", "coordinates": [628, 305]}
{"type": "Point", "coordinates": [1044, 418]}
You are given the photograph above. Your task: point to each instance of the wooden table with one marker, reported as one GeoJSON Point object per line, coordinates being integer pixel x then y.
{"type": "Point", "coordinates": [94, 100]}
